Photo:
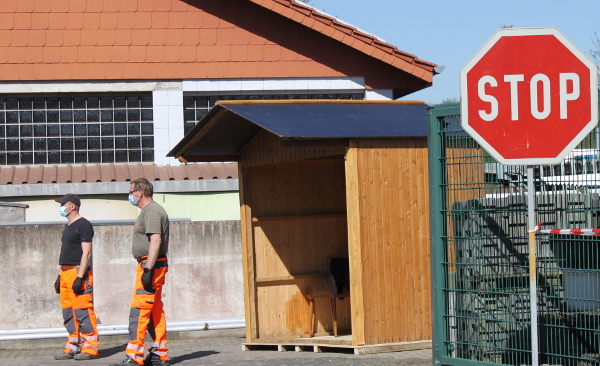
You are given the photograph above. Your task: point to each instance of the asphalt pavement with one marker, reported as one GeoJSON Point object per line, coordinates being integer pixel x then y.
{"type": "Point", "coordinates": [206, 348]}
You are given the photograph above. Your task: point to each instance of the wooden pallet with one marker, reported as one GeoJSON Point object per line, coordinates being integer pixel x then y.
{"type": "Point", "coordinates": [331, 344]}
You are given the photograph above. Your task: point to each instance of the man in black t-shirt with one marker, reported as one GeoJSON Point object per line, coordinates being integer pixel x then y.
{"type": "Point", "coordinates": [75, 283]}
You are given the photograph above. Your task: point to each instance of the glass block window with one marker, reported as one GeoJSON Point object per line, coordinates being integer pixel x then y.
{"type": "Point", "coordinates": [76, 129]}
{"type": "Point", "coordinates": [196, 106]}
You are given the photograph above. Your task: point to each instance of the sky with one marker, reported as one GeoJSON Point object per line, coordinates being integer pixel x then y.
{"type": "Point", "coordinates": [449, 33]}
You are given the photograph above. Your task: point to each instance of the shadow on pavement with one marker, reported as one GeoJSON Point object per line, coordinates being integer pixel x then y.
{"type": "Point", "coordinates": [107, 352]}
{"type": "Point", "coordinates": [191, 356]}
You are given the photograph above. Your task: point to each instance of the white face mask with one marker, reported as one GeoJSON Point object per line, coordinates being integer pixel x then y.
{"type": "Point", "coordinates": [62, 210]}
{"type": "Point", "coordinates": [132, 200]}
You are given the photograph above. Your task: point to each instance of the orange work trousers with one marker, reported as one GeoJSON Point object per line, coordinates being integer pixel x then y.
{"type": "Point", "coordinates": [147, 314]}
{"type": "Point", "coordinates": [78, 313]}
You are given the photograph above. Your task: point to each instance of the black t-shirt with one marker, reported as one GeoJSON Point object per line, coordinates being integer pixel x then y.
{"type": "Point", "coordinates": [79, 231]}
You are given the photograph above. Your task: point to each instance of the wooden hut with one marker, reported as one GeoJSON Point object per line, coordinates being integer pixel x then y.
{"type": "Point", "coordinates": [322, 180]}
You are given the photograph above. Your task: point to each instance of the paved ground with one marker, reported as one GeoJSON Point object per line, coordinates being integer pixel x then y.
{"type": "Point", "coordinates": [215, 349]}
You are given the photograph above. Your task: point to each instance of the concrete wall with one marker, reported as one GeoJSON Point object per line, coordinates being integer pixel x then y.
{"type": "Point", "coordinates": [204, 280]}
{"type": "Point", "coordinates": [12, 212]}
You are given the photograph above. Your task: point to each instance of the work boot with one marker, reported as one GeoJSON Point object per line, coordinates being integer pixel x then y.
{"type": "Point", "coordinates": [154, 360]}
{"type": "Point", "coordinates": [63, 356]}
{"type": "Point", "coordinates": [126, 361]}
{"type": "Point", "coordinates": [84, 356]}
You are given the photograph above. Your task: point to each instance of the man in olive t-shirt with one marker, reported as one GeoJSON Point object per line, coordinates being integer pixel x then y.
{"type": "Point", "coordinates": [150, 244]}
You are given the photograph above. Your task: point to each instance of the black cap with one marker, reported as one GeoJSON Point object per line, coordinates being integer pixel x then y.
{"type": "Point", "coordinates": [69, 198]}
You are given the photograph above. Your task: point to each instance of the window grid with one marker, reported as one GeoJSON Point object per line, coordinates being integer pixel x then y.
{"type": "Point", "coordinates": [196, 106]}
{"type": "Point", "coordinates": [76, 129]}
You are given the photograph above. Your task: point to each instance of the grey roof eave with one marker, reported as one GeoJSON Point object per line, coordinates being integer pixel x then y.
{"type": "Point", "coordinates": [58, 189]}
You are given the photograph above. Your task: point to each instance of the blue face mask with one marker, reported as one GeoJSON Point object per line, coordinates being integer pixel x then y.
{"type": "Point", "coordinates": [62, 210]}
{"type": "Point", "coordinates": [132, 200]}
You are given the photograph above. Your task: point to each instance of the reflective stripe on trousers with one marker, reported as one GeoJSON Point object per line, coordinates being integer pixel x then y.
{"type": "Point", "coordinates": [147, 314]}
{"type": "Point", "coordinates": [78, 314]}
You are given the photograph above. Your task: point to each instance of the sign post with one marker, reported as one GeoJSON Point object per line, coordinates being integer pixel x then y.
{"type": "Point", "coordinates": [528, 97]}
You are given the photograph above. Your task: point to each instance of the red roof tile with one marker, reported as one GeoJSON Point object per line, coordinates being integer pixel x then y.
{"type": "Point", "coordinates": [57, 20]}
{"type": "Point", "coordinates": [38, 20]}
{"type": "Point", "coordinates": [147, 5]}
{"type": "Point", "coordinates": [25, 6]}
{"type": "Point", "coordinates": [89, 37]}
{"type": "Point", "coordinates": [16, 55]}
{"type": "Point", "coordinates": [129, 6]}
{"type": "Point", "coordinates": [160, 19]}
{"type": "Point", "coordinates": [177, 20]}
{"type": "Point", "coordinates": [108, 21]}
{"type": "Point", "coordinates": [162, 5]}
{"type": "Point", "coordinates": [222, 53]}
{"type": "Point", "coordinates": [5, 38]}
{"type": "Point", "coordinates": [140, 37]}
{"type": "Point", "coordinates": [190, 37]}
{"type": "Point", "coordinates": [74, 21]}
{"type": "Point", "coordinates": [120, 54]}
{"type": "Point", "coordinates": [85, 54]}
{"type": "Point", "coordinates": [154, 53]}
{"type": "Point", "coordinates": [112, 6]}
{"type": "Point", "coordinates": [91, 20]}
{"type": "Point", "coordinates": [256, 53]}
{"type": "Point", "coordinates": [209, 21]}
{"type": "Point", "coordinates": [180, 6]}
{"type": "Point", "coordinates": [193, 19]}
{"type": "Point", "coordinates": [72, 38]}
{"type": "Point", "coordinates": [208, 36]}
{"type": "Point", "coordinates": [126, 20]}
{"type": "Point", "coordinates": [239, 52]}
{"type": "Point", "coordinates": [22, 21]}
{"type": "Point", "coordinates": [19, 38]}
{"type": "Point", "coordinates": [205, 54]}
{"type": "Point", "coordinates": [92, 6]}
{"type": "Point", "coordinates": [68, 54]}
{"type": "Point", "coordinates": [34, 55]}
{"type": "Point", "coordinates": [143, 20]}
{"type": "Point", "coordinates": [225, 26]}
{"type": "Point", "coordinates": [188, 53]}
{"type": "Point", "coordinates": [225, 36]}
{"type": "Point", "coordinates": [157, 37]}
{"type": "Point", "coordinates": [123, 37]}
{"type": "Point", "coordinates": [171, 54]}
{"type": "Point", "coordinates": [51, 55]}
{"type": "Point", "coordinates": [43, 6]}
{"type": "Point", "coordinates": [137, 53]}
{"type": "Point", "coordinates": [77, 6]}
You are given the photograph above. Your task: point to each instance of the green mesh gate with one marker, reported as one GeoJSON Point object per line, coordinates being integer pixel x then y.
{"type": "Point", "coordinates": [480, 265]}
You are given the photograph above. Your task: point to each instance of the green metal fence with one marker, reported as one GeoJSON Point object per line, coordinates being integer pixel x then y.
{"type": "Point", "coordinates": [480, 263]}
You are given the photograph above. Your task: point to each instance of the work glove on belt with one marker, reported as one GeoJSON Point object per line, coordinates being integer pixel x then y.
{"type": "Point", "coordinates": [78, 286]}
{"type": "Point", "coordinates": [57, 285]}
{"type": "Point", "coordinates": [147, 278]}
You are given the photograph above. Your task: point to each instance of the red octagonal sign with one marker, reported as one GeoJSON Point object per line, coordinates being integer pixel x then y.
{"type": "Point", "coordinates": [529, 96]}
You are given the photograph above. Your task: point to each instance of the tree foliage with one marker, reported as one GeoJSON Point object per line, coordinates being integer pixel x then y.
{"type": "Point", "coordinates": [595, 53]}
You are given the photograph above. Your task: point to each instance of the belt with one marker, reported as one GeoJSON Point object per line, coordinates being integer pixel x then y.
{"type": "Point", "coordinates": [66, 268]}
{"type": "Point", "coordinates": [144, 257]}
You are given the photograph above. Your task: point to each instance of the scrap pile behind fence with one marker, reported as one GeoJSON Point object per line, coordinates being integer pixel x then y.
{"type": "Point", "coordinates": [480, 253]}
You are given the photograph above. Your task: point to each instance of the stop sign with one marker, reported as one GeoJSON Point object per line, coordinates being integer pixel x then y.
{"type": "Point", "coordinates": [529, 96]}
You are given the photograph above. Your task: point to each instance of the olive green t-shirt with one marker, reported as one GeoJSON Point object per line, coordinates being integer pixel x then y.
{"type": "Point", "coordinates": [152, 220]}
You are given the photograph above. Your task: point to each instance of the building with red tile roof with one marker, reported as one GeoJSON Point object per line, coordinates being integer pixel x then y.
{"type": "Point", "coordinates": [94, 93]}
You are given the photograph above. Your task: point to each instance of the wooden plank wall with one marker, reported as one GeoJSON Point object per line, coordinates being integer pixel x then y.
{"type": "Point", "coordinates": [393, 199]}
{"type": "Point", "coordinates": [266, 148]}
{"type": "Point", "coordinates": [294, 214]}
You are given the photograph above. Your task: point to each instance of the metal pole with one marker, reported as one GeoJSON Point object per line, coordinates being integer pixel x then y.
{"type": "Point", "coordinates": [532, 264]}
